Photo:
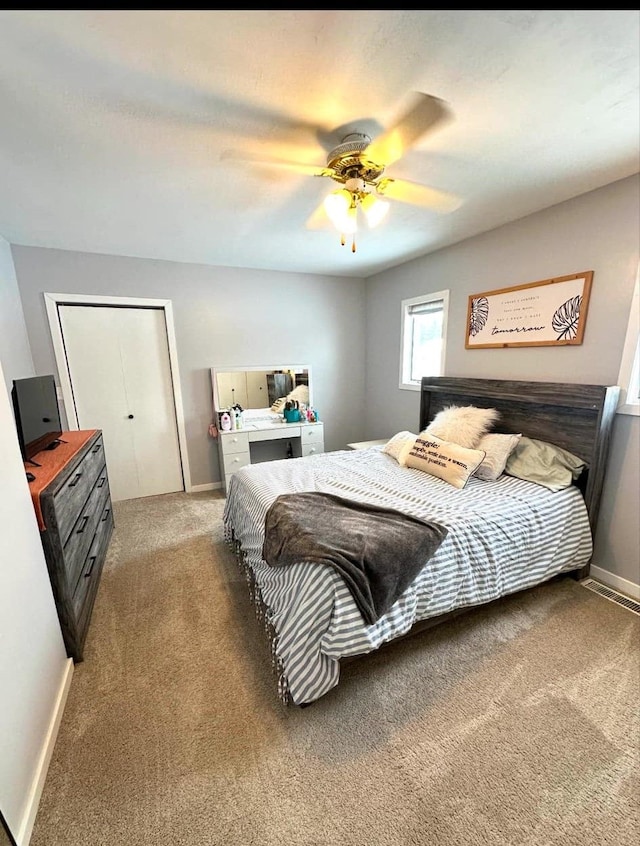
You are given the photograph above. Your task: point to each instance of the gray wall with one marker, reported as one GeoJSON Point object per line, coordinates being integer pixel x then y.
{"type": "Point", "coordinates": [598, 231]}
{"type": "Point", "coordinates": [223, 316]}
{"type": "Point", "coordinates": [15, 354]}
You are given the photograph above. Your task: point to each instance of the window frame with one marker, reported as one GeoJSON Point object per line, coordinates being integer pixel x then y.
{"type": "Point", "coordinates": [629, 376]}
{"type": "Point", "coordinates": [405, 352]}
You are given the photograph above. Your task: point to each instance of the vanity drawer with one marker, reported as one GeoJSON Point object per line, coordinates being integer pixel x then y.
{"type": "Point", "coordinates": [235, 442]}
{"type": "Point", "coordinates": [312, 449]}
{"type": "Point", "coordinates": [312, 435]}
{"type": "Point", "coordinates": [235, 461]}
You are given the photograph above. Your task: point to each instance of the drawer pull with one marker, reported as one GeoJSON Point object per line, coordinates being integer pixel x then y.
{"type": "Point", "coordinates": [96, 448]}
{"type": "Point", "coordinates": [101, 482]}
{"type": "Point", "coordinates": [105, 515]}
{"type": "Point", "coordinates": [89, 571]}
{"type": "Point", "coordinates": [75, 481]}
{"type": "Point", "coordinates": [83, 526]}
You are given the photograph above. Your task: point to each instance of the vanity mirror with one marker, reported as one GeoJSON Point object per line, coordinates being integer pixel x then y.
{"type": "Point", "coordinates": [257, 387]}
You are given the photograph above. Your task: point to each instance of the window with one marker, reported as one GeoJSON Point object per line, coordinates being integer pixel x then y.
{"type": "Point", "coordinates": [629, 378]}
{"type": "Point", "coordinates": [423, 338]}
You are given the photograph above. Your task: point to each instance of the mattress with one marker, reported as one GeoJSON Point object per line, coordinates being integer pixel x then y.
{"type": "Point", "coordinates": [503, 536]}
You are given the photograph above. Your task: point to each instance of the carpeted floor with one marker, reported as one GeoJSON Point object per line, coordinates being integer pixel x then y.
{"type": "Point", "coordinates": [511, 726]}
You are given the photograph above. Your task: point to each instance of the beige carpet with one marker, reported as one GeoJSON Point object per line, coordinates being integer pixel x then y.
{"type": "Point", "coordinates": [510, 725]}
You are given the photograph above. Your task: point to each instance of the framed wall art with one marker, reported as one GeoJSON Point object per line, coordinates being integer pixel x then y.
{"type": "Point", "coordinates": [552, 312]}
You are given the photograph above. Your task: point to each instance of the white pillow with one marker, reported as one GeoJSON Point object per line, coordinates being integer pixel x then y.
{"type": "Point", "coordinates": [448, 461]}
{"type": "Point", "coordinates": [395, 446]}
{"type": "Point", "coordinates": [498, 448]}
{"type": "Point", "coordinates": [463, 425]}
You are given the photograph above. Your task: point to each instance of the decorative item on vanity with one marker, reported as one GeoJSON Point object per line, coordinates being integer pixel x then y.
{"type": "Point", "coordinates": [292, 411]}
{"type": "Point", "coordinates": [237, 411]}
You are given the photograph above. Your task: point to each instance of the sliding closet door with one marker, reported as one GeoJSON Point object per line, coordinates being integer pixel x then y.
{"type": "Point", "coordinates": [118, 363]}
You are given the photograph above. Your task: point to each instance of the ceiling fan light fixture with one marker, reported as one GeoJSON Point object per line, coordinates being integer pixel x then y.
{"type": "Point", "coordinates": [375, 210]}
{"type": "Point", "coordinates": [341, 211]}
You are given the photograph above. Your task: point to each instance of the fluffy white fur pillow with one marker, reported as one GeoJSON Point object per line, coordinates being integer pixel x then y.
{"type": "Point", "coordinates": [463, 425]}
{"type": "Point", "coordinates": [447, 461]}
{"type": "Point", "coordinates": [396, 446]}
{"type": "Point", "coordinates": [498, 448]}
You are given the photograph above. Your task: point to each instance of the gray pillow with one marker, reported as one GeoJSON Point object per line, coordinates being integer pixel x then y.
{"type": "Point", "coordinates": [498, 448]}
{"type": "Point", "coordinates": [544, 463]}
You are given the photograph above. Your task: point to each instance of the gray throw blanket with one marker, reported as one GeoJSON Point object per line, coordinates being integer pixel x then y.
{"type": "Point", "coordinates": [378, 551]}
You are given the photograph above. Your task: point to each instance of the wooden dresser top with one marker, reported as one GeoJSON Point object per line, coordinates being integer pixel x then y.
{"type": "Point", "coordinates": [52, 462]}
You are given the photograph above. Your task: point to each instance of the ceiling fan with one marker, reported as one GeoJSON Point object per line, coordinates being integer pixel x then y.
{"type": "Point", "coordinates": [359, 163]}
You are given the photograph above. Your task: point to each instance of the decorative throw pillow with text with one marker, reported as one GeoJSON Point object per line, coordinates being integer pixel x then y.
{"type": "Point", "coordinates": [448, 461]}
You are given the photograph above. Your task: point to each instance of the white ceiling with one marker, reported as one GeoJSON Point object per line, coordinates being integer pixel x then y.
{"type": "Point", "coordinates": [116, 126]}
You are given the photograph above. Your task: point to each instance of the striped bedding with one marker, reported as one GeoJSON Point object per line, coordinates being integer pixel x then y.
{"type": "Point", "coordinates": [503, 536]}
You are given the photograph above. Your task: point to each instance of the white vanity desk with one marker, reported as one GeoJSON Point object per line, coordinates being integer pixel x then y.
{"type": "Point", "coordinates": [235, 447]}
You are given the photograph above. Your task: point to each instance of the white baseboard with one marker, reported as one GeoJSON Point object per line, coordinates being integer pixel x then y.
{"type": "Point", "coordinates": [26, 828]}
{"type": "Point", "coordinates": [616, 582]}
{"type": "Point", "coordinates": [210, 486]}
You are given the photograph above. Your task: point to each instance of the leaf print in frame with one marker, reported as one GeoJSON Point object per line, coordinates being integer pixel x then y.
{"type": "Point", "coordinates": [567, 318]}
{"type": "Point", "coordinates": [551, 312]}
{"type": "Point", "coordinates": [479, 314]}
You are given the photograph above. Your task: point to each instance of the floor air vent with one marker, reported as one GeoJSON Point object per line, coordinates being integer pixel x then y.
{"type": "Point", "coordinates": [613, 595]}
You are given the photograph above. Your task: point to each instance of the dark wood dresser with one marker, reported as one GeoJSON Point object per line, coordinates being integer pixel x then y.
{"type": "Point", "coordinates": [70, 493]}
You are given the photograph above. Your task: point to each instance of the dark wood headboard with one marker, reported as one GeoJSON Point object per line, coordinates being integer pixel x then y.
{"type": "Point", "coordinates": [578, 418]}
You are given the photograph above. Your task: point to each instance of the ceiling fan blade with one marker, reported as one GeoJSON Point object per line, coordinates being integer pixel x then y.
{"type": "Point", "coordinates": [425, 112]}
{"type": "Point", "coordinates": [282, 164]}
{"type": "Point", "coordinates": [418, 195]}
{"type": "Point", "coordinates": [318, 219]}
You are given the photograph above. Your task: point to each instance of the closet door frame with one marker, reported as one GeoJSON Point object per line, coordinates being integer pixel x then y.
{"type": "Point", "coordinates": [53, 301]}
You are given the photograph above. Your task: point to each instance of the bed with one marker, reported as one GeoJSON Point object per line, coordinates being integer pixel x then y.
{"type": "Point", "coordinates": [497, 537]}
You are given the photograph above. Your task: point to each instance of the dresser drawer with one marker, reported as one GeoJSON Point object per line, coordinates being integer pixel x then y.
{"type": "Point", "coordinates": [82, 533]}
{"type": "Point", "coordinates": [235, 442]}
{"type": "Point", "coordinates": [232, 463]}
{"type": "Point", "coordinates": [86, 587]}
{"type": "Point", "coordinates": [72, 495]}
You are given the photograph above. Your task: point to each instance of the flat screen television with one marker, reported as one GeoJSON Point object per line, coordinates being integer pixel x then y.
{"type": "Point", "coordinates": [35, 405]}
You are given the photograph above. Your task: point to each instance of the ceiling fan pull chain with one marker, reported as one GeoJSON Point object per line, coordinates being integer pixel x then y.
{"type": "Point", "coordinates": [353, 244]}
